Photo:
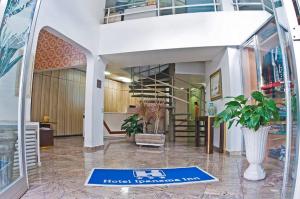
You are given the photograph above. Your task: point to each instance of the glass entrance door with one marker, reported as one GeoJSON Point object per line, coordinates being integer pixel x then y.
{"type": "Point", "coordinates": [16, 19]}
{"type": "Point", "coordinates": [269, 65]}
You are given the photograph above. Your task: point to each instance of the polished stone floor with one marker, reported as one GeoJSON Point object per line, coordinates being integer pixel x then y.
{"type": "Point", "coordinates": [66, 166]}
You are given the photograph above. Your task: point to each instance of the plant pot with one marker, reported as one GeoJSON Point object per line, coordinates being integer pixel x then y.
{"type": "Point", "coordinates": [131, 138]}
{"type": "Point", "coordinates": [146, 139]}
{"type": "Point", "coordinates": [8, 139]}
{"type": "Point", "coordinates": [255, 142]}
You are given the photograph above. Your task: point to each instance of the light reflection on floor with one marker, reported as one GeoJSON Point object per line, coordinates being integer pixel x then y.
{"type": "Point", "coordinates": [66, 166]}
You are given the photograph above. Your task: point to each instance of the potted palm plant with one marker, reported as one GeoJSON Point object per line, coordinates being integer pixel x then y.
{"type": "Point", "coordinates": [255, 118]}
{"type": "Point", "coordinates": [132, 125]}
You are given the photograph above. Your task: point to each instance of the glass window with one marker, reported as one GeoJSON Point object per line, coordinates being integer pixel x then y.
{"type": "Point", "coordinates": [14, 31]}
{"type": "Point", "coordinates": [268, 66]}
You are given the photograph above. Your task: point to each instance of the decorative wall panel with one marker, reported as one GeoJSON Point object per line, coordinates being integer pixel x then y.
{"type": "Point", "coordinates": [60, 94]}
{"type": "Point", "coordinates": [117, 97]}
{"type": "Point", "coordinates": [55, 53]}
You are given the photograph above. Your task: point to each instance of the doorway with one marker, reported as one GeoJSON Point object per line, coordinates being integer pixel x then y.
{"type": "Point", "coordinates": [58, 88]}
{"type": "Point", "coordinates": [268, 67]}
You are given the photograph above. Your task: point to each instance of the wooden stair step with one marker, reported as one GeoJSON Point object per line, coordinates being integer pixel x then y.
{"type": "Point", "coordinates": [182, 125]}
{"type": "Point", "coordinates": [150, 86]}
{"type": "Point", "coordinates": [147, 91]}
{"type": "Point", "coordinates": [150, 96]}
{"type": "Point", "coordinates": [184, 131]}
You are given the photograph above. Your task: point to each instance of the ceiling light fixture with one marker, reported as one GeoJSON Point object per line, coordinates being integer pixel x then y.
{"type": "Point", "coordinates": [107, 73]}
{"type": "Point", "coordinates": [124, 79]}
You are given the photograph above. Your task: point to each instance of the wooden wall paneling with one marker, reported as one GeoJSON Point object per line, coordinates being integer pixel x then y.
{"type": "Point", "coordinates": [61, 95]}
{"type": "Point", "coordinates": [106, 93]}
{"type": "Point", "coordinates": [54, 100]}
{"type": "Point", "coordinates": [110, 95]}
{"type": "Point", "coordinates": [69, 103]}
{"type": "Point", "coordinates": [114, 97]}
{"type": "Point", "coordinates": [77, 122]}
{"type": "Point", "coordinates": [61, 127]}
{"type": "Point", "coordinates": [117, 97]}
{"type": "Point", "coordinates": [82, 98]}
{"type": "Point", "coordinates": [46, 76]}
{"type": "Point", "coordinates": [36, 102]}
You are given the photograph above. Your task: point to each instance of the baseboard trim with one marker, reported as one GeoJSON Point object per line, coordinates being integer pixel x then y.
{"type": "Point", "coordinates": [93, 149]}
{"type": "Point", "coordinates": [234, 153]}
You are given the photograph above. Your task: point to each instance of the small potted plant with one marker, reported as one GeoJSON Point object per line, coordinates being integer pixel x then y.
{"type": "Point", "coordinates": [255, 118]}
{"type": "Point", "coordinates": [132, 125]}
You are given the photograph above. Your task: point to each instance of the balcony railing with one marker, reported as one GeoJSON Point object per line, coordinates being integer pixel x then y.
{"type": "Point", "coordinates": [151, 8]}
{"type": "Point", "coordinates": [240, 5]}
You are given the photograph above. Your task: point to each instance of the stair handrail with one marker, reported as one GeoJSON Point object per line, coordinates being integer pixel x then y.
{"type": "Point", "coordinates": [150, 69]}
{"type": "Point", "coordinates": [166, 84]}
{"type": "Point", "coordinates": [177, 78]}
{"type": "Point", "coordinates": [166, 94]}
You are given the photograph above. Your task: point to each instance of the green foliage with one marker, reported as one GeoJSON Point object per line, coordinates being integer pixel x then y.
{"type": "Point", "coordinates": [132, 125]}
{"type": "Point", "coordinates": [237, 111]}
{"type": "Point", "coordinates": [11, 43]}
{"type": "Point", "coordinates": [9, 46]}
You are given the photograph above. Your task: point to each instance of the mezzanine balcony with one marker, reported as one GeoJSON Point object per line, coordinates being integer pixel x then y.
{"type": "Point", "coordinates": [120, 10]}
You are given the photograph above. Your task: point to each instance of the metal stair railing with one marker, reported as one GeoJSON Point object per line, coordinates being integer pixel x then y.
{"type": "Point", "coordinates": [165, 94]}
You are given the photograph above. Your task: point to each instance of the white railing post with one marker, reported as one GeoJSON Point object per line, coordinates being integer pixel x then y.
{"type": "Point", "coordinates": [108, 15]}
{"type": "Point", "coordinates": [263, 5]}
{"type": "Point", "coordinates": [215, 5]}
{"type": "Point", "coordinates": [237, 5]}
{"type": "Point", "coordinates": [173, 7]}
{"type": "Point", "coordinates": [158, 7]}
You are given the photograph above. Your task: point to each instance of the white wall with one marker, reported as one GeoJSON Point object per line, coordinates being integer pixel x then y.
{"type": "Point", "coordinates": [229, 63]}
{"type": "Point", "coordinates": [190, 68]}
{"type": "Point", "coordinates": [77, 22]}
{"type": "Point", "coordinates": [180, 31]}
{"type": "Point", "coordinates": [114, 121]}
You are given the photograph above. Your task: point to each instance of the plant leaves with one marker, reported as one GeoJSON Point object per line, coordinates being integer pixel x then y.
{"type": "Point", "coordinates": [250, 116]}
{"type": "Point", "coordinates": [258, 96]}
{"type": "Point", "coordinates": [233, 103]}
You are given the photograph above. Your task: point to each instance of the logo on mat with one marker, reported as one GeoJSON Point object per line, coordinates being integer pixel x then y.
{"type": "Point", "coordinates": [149, 173]}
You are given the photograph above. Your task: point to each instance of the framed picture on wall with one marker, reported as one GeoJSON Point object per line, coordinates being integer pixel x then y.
{"type": "Point", "coordinates": [216, 85]}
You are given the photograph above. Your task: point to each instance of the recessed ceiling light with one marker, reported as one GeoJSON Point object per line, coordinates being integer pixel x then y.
{"type": "Point", "coordinates": [124, 79]}
{"type": "Point", "coordinates": [107, 73]}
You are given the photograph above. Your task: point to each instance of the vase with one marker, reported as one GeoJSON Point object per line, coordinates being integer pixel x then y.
{"type": "Point", "coordinates": [255, 142]}
{"type": "Point", "coordinates": [211, 109]}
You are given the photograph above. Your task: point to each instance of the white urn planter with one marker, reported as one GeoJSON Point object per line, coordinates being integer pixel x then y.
{"type": "Point", "coordinates": [255, 142]}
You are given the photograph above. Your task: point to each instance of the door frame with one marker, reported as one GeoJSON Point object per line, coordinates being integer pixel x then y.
{"type": "Point", "coordinates": [20, 185]}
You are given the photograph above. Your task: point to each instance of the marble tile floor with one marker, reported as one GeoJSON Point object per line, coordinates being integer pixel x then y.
{"type": "Point", "coordinates": [66, 166]}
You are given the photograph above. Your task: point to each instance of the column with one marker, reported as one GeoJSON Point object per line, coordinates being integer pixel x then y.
{"type": "Point", "coordinates": [94, 101]}
{"type": "Point", "coordinates": [235, 136]}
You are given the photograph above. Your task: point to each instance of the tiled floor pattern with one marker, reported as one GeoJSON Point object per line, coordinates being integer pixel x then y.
{"type": "Point", "coordinates": [66, 166]}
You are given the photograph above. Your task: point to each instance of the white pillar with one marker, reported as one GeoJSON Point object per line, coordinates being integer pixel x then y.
{"type": "Point", "coordinates": [94, 100]}
{"type": "Point", "coordinates": [235, 136]}
{"type": "Point", "coordinates": [227, 5]}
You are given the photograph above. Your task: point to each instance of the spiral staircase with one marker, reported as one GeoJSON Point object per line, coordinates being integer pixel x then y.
{"type": "Point", "coordinates": [157, 83]}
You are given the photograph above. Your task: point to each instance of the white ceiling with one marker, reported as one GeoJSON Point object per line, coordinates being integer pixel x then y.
{"type": "Point", "coordinates": [123, 60]}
